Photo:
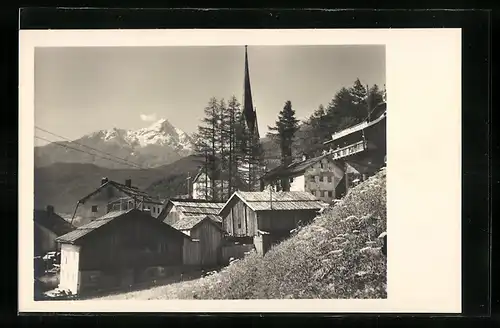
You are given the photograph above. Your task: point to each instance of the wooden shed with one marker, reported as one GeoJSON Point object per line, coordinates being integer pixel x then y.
{"type": "Point", "coordinates": [118, 249]}
{"type": "Point", "coordinates": [268, 216]}
{"type": "Point", "coordinates": [176, 209]}
{"type": "Point", "coordinates": [206, 230]}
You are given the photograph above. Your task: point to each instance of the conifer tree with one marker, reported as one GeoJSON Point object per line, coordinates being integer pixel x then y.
{"type": "Point", "coordinates": [286, 127]}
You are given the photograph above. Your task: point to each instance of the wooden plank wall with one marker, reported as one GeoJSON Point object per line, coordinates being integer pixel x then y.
{"type": "Point", "coordinates": [210, 242]}
{"type": "Point", "coordinates": [191, 253]}
{"type": "Point", "coordinates": [118, 243]}
{"type": "Point", "coordinates": [240, 221]}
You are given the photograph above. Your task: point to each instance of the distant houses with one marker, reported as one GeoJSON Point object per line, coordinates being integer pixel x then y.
{"type": "Point", "coordinates": [114, 196]}
{"type": "Point", "coordinates": [214, 185]}
{"type": "Point", "coordinates": [267, 217]}
{"type": "Point", "coordinates": [48, 225]}
{"type": "Point", "coordinates": [119, 249]}
{"type": "Point", "coordinates": [319, 176]}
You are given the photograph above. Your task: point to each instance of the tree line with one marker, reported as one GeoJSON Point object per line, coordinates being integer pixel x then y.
{"type": "Point", "coordinates": [232, 154]}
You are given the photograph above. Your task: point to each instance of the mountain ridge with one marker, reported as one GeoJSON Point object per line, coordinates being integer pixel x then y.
{"type": "Point", "coordinates": [159, 144]}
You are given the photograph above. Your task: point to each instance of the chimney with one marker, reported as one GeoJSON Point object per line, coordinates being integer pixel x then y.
{"type": "Point", "coordinates": [104, 180]}
{"type": "Point", "coordinates": [128, 183]}
{"type": "Point", "coordinates": [50, 209]}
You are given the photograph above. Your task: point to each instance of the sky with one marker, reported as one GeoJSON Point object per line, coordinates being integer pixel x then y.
{"type": "Point", "coordinates": [81, 90]}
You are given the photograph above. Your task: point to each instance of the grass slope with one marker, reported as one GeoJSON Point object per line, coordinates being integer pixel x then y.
{"type": "Point", "coordinates": [337, 256]}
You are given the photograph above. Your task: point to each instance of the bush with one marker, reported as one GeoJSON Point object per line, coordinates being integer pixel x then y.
{"type": "Point", "coordinates": [337, 256]}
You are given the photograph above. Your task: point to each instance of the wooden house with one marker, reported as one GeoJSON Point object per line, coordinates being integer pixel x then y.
{"type": "Point", "coordinates": [117, 250]}
{"type": "Point", "coordinates": [48, 225]}
{"type": "Point", "coordinates": [319, 176]}
{"type": "Point", "coordinates": [114, 196]}
{"type": "Point", "coordinates": [176, 209]}
{"type": "Point", "coordinates": [361, 149]}
{"type": "Point", "coordinates": [267, 217]}
{"type": "Point", "coordinates": [207, 230]}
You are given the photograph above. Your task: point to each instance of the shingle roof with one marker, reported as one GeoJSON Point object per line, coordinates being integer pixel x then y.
{"type": "Point", "coordinates": [283, 200]}
{"type": "Point", "coordinates": [91, 226]}
{"type": "Point", "coordinates": [130, 191]}
{"type": "Point", "coordinates": [189, 222]}
{"type": "Point", "coordinates": [197, 208]}
{"type": "Point", "coordinates": [53, 222]}
{"type": "Point", "coordinates": [379, 113]}
{"type": "Point", "coordinates": [84, 230]}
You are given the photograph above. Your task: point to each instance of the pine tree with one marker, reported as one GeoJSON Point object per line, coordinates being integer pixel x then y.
{"type": "Point", "coordinates": [286, 127]}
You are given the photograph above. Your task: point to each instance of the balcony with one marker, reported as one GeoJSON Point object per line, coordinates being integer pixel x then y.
{"type": "Point", "coordinates": [349, 150]}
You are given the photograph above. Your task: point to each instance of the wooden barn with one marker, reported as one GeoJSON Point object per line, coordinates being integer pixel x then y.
{"type": "Point", "coordinates": [176, 209]}
{"type": "Point", "coordinates": [48, 225]}
{"type": "Point", "coordinates": [117, 250]}
{"type": "Point", "coordinates": [208, 232]}
{"type": "Point", "coordinates": [267, 217]}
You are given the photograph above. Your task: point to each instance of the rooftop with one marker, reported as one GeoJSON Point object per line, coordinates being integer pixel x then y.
{"type": "Point", "coordinates": [189, 222]}
{"type": "Point", "coordinates": [283, 200]}
{"type": "Point", "coordinates": [132, 192]}
{"type": "Point", "coordinates": [52, 222]}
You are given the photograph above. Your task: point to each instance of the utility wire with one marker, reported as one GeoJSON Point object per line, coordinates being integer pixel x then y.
{"type": "Point", "coordinates": [68, 147]}
{"type": "Point", "coordinates": [82, 145]}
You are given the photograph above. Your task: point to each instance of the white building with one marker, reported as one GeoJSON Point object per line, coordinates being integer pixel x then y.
{"type": "Point", "coordinates": [321, 176]}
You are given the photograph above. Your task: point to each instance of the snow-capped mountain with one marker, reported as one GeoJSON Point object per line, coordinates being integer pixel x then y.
{"type": "Point", "coordinates": [159, 144]}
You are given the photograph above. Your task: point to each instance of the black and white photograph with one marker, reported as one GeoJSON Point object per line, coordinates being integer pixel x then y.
{"type": "Point", "coordinates": [224, 172]}
{"type": "Point", "coordinates": [237, 170]}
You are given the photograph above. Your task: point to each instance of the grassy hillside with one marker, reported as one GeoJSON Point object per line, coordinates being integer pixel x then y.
{"type": "Point", "coordinates": [337, 256]}
{"type": "Point", "coordinates": [62, 184]}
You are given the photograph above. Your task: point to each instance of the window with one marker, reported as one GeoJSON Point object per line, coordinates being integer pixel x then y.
{"type": "Point", "coordinates": [239, 225]}
{"type": "Point", "coordinates": [94, 208]}
{"type": "Point", "coordinates": [330, 194]}
{"type": "Point", "coordinates": [323, 193]}
{"type": "Point", "coordinates": [321, 164]}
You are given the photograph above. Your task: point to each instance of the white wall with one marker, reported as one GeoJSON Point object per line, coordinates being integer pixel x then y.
{"type": "Point", "coordinates": [298, 183]}
{"type": "Point", "coordinates": [69, 274]}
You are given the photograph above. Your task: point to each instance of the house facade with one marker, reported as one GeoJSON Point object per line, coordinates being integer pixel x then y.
{"type": "Point", "coordinates": [268, 217]}
{"type": "Point", "coordinates": [48, 225]}
{"type": "Point", "coordinates": [119, 249]}
{"type": "Point", "coordinates": [114, 196]}
{"type": "Point", "coordinates": [361, 149]}
{"type": "Point", "coordinates": [319, 176]}
{"type": "Point", "coordinates": [207, 187]}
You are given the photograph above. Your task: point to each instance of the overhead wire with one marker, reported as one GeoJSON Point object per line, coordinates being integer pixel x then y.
{"type": "Point", "coordinates": [94, 149]}
{"type": "Point", "coordinates": [83, 151]}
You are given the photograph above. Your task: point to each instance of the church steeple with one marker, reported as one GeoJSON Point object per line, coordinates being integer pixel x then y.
{"type": "Point", "coordinates": [248, 109]}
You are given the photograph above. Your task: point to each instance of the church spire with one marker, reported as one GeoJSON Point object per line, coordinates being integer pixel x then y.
{"type": "Point", "coordinates": [248, 108]}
